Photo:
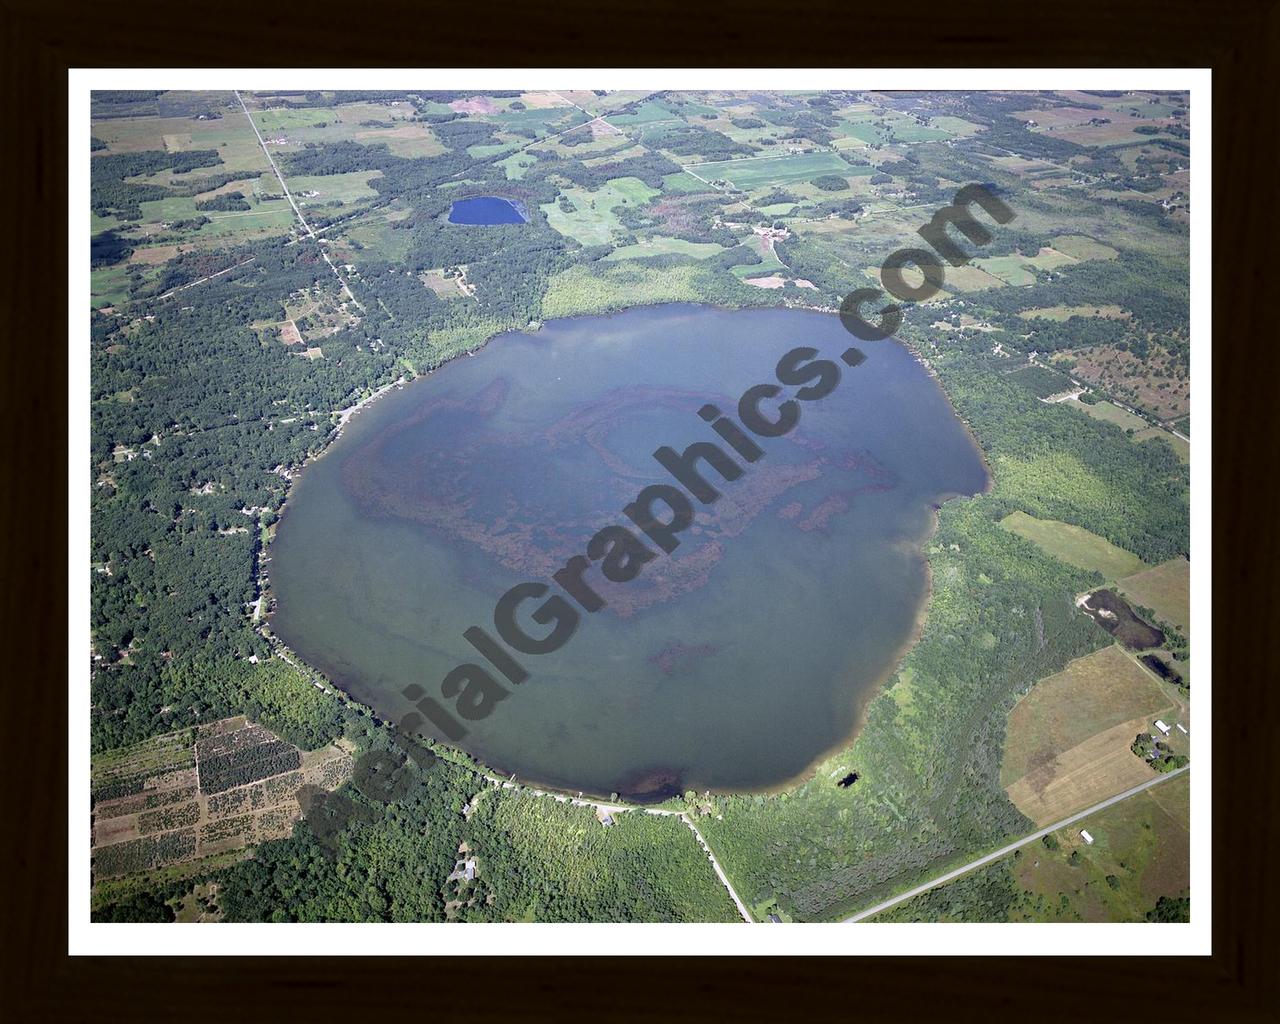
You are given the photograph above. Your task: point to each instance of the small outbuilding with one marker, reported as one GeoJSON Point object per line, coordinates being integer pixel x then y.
{"type": "Point", "coordinates": [1086, 837]}
{"type": "Point", "coordinates": [1164, 729]}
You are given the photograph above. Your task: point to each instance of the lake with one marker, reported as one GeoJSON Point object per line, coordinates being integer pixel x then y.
{"type": "Point", "coordinates": [732, 664]}
{"type": "Point", "coordinates": [486, 210]}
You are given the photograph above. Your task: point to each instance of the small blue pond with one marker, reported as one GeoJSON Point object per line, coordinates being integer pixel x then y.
{"type": "Point", "coordinates": [486, 210]}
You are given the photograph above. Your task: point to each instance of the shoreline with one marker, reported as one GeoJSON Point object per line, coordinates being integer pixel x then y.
{"type": "Point", "coordinates": [485, 768]}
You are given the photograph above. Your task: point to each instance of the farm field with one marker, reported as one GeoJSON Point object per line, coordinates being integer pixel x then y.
{"type": "Point", "coordinates": [1165, 589]}
{"type": "Point", "coordinates": [200, 793]}
{"type": "Point", "coordinates": [1141, 843]}
{"type": "Point", "coordinates": [1068, 740]}
{"type": "Point", "coordinates": [750, 173]}
{"type": "Point", "coordinates": [1139, 853]}
{"type": "Point", "coordinates": [1074, 545]}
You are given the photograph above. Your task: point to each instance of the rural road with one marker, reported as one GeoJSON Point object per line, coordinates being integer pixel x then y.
{"type": "Point", "coordinates": [289, 196]}
{"type": "Point", "coordinates": [623, 809]}
{"type": "Point", "coordinates": [1006, 850]}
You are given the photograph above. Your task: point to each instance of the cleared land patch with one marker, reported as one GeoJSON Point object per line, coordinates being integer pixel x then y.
{"type": "Point", "coordinates": [1142, 843]}
{"type": "Point", "coordinates": [200, 792]}
{"type": "Point", "coordinates": [589, 217]}
{"type": "Point", "coordinates": [1109, 412]}
{"type": "Point", "coordinates": [1075, 545]}
{"type": "Point", "coordinates": [970, 278]}
{"type": "Point", "coordinates": [1049, 258]}
{"type": "Point", "coordinates": [319, 190]}
{"type": "Point", "coordinates": [1063, 313]}
{"type": "Point", "coordinates": [1085, 774]}
{"type": "Point", "coordinates": [662, 246]}
{"type": "Point", "coordinates": [1181, 448]}
{"type": "Point", "coordinates": [1165, 589]}
{"type": "Point", "coordinates": [1082, 247]}
{"type": "Point", "coordinates": [1010, 269]}
{"type": "Point", "coordinates": [1067, 743]}
{"type": "Point", "coordinates": [760, 172]}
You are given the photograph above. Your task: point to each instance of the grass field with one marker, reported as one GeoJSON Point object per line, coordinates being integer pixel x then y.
{"type": "Point", "coordinates": [1165, 589]}
{"type": "Point", "coordinates": [648, 112]}
{"type": "Point", "coordinates": [762, 172]}
{"type": "Point", "coordinates": [970, 278]}
{"type": "Point", "coordinates": [271, 122]}
{"type": "Point", "coordinates": [663, 246]}
{"type": "Point", "coordinates": [1050, 259]}
{"type": "Point", "coordinates": [109, 286]}
{"type": "Point", "coordinates": [593, 221]}
{"type": "Point", "coordinates": [1110, 413]}
{"type": "Point", "coordinates": [376, 232]}
{"type": "Point", "coordinates": [333, 188]}
{"type": "Point", "coordinates": [411, 140]}
{"type": "Point", "coordinates": [1081, 247]}
{"type": "Point", "coordinates": [1180, 447]}
{"type": "Point", "coordinates": [1063, 313]}
{"type": "Point", "coordinates": [1140, 852]}
{"type": "Point", "coordinates": [1010, 269]}
{"type": "Point", "coordinates": [887, 126]}
{"type": "Point", "coordinates": [683, 182]}
{"type": "Point", "coordinates": [1074, 545]}
{"type": "Point", "coordinates": [515, 165]}
{"type": "Point", "coordinates": [1143, 843]}
{"type": "Point", "coordinates": [1067, 744]}
{"type": "Point", "coordinates": [957, 125]}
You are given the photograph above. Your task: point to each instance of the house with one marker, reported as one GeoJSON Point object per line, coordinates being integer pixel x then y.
{"type": "Point", "coordinates": [1164, 729]}
{"type": "Point", "coordinates": [775, 919]}
{"type": "Point", "coordinates": [1086, 837]}
{"type": "Point", "coordinates": [607, 820]}
{"type": "Point", "coordinates": [469, 869]}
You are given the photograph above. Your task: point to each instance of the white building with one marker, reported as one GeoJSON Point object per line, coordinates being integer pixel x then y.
{"type": "Point", "coordinates": [1086, 837]}
{"type": "Point", "coordinates": [1164, 729]}
{"type": "Point", "coordinates": [1183, 729]}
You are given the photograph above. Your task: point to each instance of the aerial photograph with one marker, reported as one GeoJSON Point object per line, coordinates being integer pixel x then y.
{"type": "Point", "coordinates": [590, 505]}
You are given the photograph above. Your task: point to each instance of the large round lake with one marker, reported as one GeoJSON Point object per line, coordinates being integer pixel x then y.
{"type": "Point", "coordinates": [731, 664]}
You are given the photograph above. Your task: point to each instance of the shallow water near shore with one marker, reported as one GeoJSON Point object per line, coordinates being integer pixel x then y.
{"type": "Point", "coordinates": [733, 663]}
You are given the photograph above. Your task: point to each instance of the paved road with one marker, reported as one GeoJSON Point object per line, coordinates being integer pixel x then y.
{"type": "Point", "coordinates": [1006, 850]}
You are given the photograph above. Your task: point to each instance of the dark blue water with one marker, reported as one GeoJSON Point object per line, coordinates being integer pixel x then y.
{"type": "Point", "coordinates": [486, 210]}
{"type": "Point", "coordinates": [733, 663]}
